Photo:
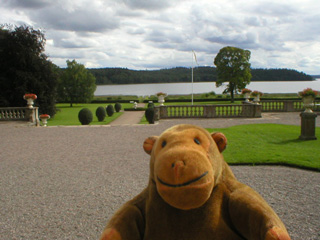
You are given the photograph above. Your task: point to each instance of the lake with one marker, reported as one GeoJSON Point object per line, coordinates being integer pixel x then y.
{"type": "Point", "coordinates": [202, 87]}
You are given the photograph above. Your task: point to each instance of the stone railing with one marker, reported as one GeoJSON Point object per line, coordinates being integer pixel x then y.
{"type": "Point", "coordinates": [285, 105]}
{"type": "Point", "coordinates": [246, 110]}
{"type": "Point", "coordinates": [20, 114]}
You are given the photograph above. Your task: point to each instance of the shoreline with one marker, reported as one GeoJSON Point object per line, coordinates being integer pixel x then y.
{"type": "Point", "coordinates": [115, 84]}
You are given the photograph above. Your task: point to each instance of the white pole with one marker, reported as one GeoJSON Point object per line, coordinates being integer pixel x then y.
{"type": "Point", "coordinates": [192, 79]}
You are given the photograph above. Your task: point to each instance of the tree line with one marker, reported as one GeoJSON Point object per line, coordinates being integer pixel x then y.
{"type": "Point", "coordinates": [183, 74]}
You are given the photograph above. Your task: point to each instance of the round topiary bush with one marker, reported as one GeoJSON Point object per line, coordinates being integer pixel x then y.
{"type": "Point", "coordinates": [117, 107]}
{"type": "Point", "coordinates": [85, 116]}
{"type": "Point", "coordinates": [110, 110]}
{"type": "Point", "coordinates": [150, 104]}
{"type": "Point", "coordinates": [101, 113]}
{"type": "Point", "coordinates": [149, 113]}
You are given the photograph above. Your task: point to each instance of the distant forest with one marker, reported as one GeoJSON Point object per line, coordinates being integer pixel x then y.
{"type": "Point", "coordinates": [182, 74]}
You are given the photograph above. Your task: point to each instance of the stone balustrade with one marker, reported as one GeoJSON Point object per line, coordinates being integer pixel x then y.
{"type": "Point", "coordinates": [20, 114]}
{"type": "Point", "coordinates": [248, 110]}
{"type": "Point", "coordinates": [285, 105]}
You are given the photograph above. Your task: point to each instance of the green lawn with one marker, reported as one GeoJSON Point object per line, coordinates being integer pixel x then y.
{"type": "Point", "coordinates": [67, 115]}
{"type": "Point", "coordinates": [270, 144]}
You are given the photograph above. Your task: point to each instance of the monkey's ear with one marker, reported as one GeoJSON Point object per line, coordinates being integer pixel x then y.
{"type": "Point", "coordinates": [148, 144]}
{"type": "Point", "coordinates": [220, 140]}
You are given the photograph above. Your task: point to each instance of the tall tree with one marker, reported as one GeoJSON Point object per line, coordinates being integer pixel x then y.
{"type": "Point", "coordinates": [24, 68]}
{"type": "Point", "coordinates": [233, 67]}
{"type": "Point", "coordinates": [76, 84]}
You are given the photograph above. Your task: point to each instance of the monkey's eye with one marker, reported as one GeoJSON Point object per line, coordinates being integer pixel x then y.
{"type": "Point", "coordinates": [197, 141]}
{"type": "Point", "coordinates": [164, 143]}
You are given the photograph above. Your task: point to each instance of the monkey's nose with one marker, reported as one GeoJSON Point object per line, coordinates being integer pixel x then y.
{"type": "Point", "coordinates": [178, 164]}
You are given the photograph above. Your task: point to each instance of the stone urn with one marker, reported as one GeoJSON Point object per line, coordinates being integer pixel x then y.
{"type": "Point", "coordinates": [308, 96]}
{"type": "Point", "coordinates": [308, 103]}
{"type": "Point", "coordinates": [161, 97]}
{"type": "Point", "coordinates": [256, 98]}
{"type": "Point", "coordinates": [246, 96]}
{"type": "Point", "coordinates": [44, 119]}
{"type": "Point", "coordinates": [30, 97]}
{"type": "Point", "coordinates": [246, 93]}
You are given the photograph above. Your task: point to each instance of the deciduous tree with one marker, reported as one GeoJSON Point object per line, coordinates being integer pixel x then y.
{"type": "Point", "coordinates": [24, 68]}
{"type": "Point", "coordinates": [233, 67]}
{"type": "Point", "coordinates": [76, 84]}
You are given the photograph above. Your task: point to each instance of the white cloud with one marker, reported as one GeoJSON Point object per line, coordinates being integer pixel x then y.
{"type": "Point", "coordinates": [143, 34]}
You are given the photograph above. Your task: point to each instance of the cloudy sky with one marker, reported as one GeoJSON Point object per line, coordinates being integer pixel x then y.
{"type": "Point", "coordinates": [155, 34]}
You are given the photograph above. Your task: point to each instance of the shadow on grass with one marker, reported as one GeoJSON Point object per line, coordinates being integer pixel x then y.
{"type": "Point", "coordinates": [297, 140]}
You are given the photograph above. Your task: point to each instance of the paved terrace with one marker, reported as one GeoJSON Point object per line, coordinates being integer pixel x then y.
{"type": "Point", "coordinates": [65, 182]}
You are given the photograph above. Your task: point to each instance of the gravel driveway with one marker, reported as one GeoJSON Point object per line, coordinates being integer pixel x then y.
{"type": "Point", "coordinates": [65, 182]}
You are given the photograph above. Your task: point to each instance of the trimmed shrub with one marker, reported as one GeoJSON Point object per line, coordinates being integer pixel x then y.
{"type": "Point", "coordinates": [149, 113]}
{"type": "Point", "coordinates": [110, 110]}
{"type": "Point", "coordinates": [85, 116]}
{"type": "Point", "coordinates": [117, 107]}
{"type": "Point", "coordinates": [150, 105]}
{"type": "Point", "coordinates": [101, 113]}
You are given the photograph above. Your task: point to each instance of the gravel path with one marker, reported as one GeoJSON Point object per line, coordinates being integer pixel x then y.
{"type": "Point", "coordinates": [129, 117]}
{"type": "Point", "coordinates": [65, 182]}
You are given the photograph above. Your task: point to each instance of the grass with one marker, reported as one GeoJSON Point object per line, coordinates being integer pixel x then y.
{"type": "Point", "coordinates": [67, 115]}
{"type": "Point", "coordinates": [256, 144]}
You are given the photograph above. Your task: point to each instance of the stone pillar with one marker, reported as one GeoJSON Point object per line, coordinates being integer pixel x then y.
{"type": "Point", "coordinates": [156, 113]}
{"type": "Point", "coordinates": [31, 114]}
{"type": "Point", "coordinates": [288, 106]}
{"type": "Point", "coordinates": [308, 126]}
{"type": "Point", "coordinates": [250, 110]}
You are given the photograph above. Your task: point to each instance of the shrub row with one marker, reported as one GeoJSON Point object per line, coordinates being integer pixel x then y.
{"type": "Point", "coordinates": [85, 116]}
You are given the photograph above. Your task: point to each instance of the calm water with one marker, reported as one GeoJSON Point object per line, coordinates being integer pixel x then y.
{"type": "Point", "coordinates": [202, 87]}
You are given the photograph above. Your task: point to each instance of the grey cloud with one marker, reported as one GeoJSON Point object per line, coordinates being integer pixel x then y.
{"type": "Point", "coordinates": [169, 36]}
{"type": "Point", "coordinates": [147, 4]}
{"type": "Point", "coordinates": [304, 62]}
{"type": "Point", "coordinates": [305, 29]}
{"type": "Point", "coordinates": [67, 54]}
{"type": "Point", "coordinates": [81, 20]}
{"type": "Point", "coordinates": [33, 4]}
{"type": "Point", "coordinates": [72, 43]}
{"type": "Point", "coordinates": [274, 9]}
{"type": "Point", "coordinates": [254, 21]}
{"type": "Point", "coordinates": [136, 31]}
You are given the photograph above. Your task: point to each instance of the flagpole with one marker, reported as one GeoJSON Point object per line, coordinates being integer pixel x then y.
{"type": "Point", "coordinates": [192, 79]}
{"type": "Point", "coordinates": [195, 58]}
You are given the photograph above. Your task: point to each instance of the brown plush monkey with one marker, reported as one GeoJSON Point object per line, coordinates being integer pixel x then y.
{"type": "Point", "coordinates": [193, 194]}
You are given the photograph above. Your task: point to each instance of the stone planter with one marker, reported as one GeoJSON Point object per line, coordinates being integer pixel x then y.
{"type": "Point", "coordinates": [247, 96]}
{"type": "Point", "coordinates": [256, 99]}
{"type": "Point", "coordinates": [30, 97]}
{"type": "Point", "coordinates": [308, 103]}
{"type": "Point", "coordinates": [44, 119]}
{"type": "Point", "coordinates": [30, 102]}
{"type": "Point", "coordinates": [161, 100]}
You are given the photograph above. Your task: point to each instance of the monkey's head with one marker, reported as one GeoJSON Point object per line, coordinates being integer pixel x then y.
{"type": "Point", "coordinates": [186, 164]}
